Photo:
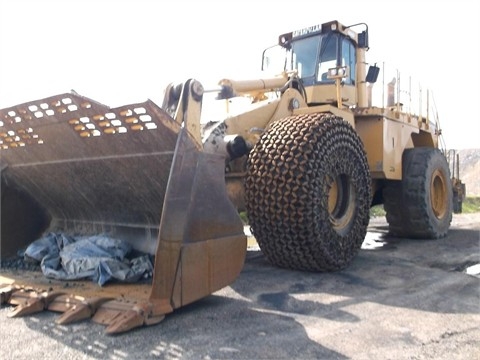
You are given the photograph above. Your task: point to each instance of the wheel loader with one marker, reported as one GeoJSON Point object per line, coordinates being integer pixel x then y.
{"type": "Point", "coordinates": [306, 160]}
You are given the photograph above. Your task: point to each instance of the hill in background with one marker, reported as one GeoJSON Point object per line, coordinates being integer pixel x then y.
{"type": "Point", "coordinates": [470, 170]}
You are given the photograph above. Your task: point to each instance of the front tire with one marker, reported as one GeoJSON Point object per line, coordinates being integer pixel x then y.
{"type": "Point", "coordinates": [308, 193]}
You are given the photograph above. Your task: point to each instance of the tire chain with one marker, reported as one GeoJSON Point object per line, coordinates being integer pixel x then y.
{"type": "Point", "coordinates": [287, 212]}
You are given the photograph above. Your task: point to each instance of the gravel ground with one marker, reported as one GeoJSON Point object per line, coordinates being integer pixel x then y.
{"type": "Point", "coordinates": [400, 299]}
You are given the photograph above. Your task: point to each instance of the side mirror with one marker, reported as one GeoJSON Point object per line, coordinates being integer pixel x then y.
{"type": "Point", "coordinates": [372, 74]}
{"type": "Point", "coordinates": [363, 40]}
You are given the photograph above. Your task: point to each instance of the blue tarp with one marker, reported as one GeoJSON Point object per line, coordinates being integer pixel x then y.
{"type": "Point", "coordinates": [99, 258]}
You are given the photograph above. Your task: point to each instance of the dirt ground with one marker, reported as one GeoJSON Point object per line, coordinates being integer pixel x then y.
{"type": "Point", "coordinates": [399, 299]}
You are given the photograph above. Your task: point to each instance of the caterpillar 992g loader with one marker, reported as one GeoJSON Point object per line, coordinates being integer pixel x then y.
{"type": "Point", "coordinates": [306, 161]}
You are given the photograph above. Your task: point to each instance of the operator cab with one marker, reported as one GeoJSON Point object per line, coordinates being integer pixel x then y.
{"type": "Point", "coordinates": [320, 55]}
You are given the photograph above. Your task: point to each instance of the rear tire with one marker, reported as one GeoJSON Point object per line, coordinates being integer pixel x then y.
{"type": "Point", "coordinates": [420, 206]}
{"type": "Point", "coordinates": [308, 193]}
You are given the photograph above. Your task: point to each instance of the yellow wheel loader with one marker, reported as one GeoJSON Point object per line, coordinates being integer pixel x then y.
{"type": "Point", "coordinates": [305, 160]}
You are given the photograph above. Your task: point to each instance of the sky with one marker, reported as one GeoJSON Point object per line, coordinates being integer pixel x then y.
{"type": "Point", "coordinates": [127, 51]}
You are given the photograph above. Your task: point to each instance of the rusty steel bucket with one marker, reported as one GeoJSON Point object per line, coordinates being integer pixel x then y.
{"type": "Point", "coordinates": [72, 165]}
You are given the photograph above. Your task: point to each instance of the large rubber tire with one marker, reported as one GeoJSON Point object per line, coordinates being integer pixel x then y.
{"type": "Point", "coordinates": [308, 193]}
{"type": "Point", "coordinates": [420, 206]}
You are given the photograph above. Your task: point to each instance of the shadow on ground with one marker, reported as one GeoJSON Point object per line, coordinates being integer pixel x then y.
{"type": "Point", "coordinates": [261, 315]}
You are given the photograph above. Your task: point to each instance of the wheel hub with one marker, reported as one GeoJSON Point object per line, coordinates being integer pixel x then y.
{"type": "Point", "coordinates": [341, 203]}
{"type": "Point", "coordinates": [438, 193]}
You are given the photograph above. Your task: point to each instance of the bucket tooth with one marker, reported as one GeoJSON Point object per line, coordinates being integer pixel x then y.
{"type": "Point", "coordinates": [125, 322]}
{"type": "Point", "coordinates": [6, 292]}
{"type": "Point", "coordinates": [82, 310]}
{"type": "Point", "coordinates": [64, 303]}
{"type": "Point", "coordinates": [138, 316]}
{"type": "Point", "coordinates": [30, 306]}
{"type": "Point", "coordinates": [34, 304]}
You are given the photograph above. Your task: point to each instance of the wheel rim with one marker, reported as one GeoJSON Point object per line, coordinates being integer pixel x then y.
{"type": "Point", "coordinates": [341, 203]}
{"type": "Point", "coordinates": [438, 194]}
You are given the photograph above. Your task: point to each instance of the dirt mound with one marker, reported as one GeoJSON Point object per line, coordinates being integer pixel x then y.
{"type": "Point", "coordinates": [470, 170]}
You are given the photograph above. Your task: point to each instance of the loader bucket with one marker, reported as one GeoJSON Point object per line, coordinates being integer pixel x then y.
{"type": "Point", "coordinates": [72, 165]}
